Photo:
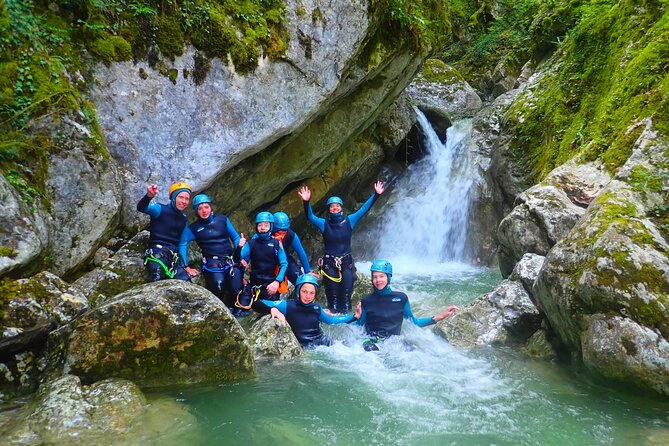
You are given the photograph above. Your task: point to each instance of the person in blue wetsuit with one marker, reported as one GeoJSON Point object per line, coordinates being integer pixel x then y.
{"type": "Point", "coordinates": [383, 311]}
{"type": "Point", "coordinates": [337, 263]}
{"type": "Point", "coordinates": [167, 223]}
{"type": "Point", "coordinates": [290, 239]}
{"type": "Point", "coordinates": [268, 266]}
{"type": "Point", "coordinates": [304, 314]}
{"type": "Point", "coordinates": [217, 238]}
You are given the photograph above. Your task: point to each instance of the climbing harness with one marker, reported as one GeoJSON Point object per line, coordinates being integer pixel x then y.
{"type": "Point", "coordinates": [255, 292]}
{"type": "Point", "coordinates": [336, 262]}
{"type": "Point", "coordinates": [150, 256]}
{"type": "Point", "coordinates": [216, 264]}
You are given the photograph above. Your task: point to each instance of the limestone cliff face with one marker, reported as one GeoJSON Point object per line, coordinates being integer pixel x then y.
{"type": "Point", "coordinates": [245, 138]}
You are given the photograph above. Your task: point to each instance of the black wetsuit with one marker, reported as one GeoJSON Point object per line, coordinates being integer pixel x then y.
{"type": "Point", "coordinates": [216, 237]}
{"type": "Point", "coordinates": [304, 320]}
{"type": "Point", "coordinates": [338, 262]}
{"type": "Point", "coordinates": [167, 224]}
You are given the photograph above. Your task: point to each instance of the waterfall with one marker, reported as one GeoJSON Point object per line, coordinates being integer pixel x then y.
{"type": "Point", "coordinates": [426, 218]}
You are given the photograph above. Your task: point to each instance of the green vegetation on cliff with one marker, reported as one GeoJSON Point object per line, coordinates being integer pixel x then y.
{"type": "Point", "coordinates": [607, 63]}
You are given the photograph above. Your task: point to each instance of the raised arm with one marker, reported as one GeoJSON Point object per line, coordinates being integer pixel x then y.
{"type": "Point", "coordinates": [305, 195]}
{"type": "Point", "coordinates": [355, 217]}
{"type": "Point", "coordinates": [145, 206]}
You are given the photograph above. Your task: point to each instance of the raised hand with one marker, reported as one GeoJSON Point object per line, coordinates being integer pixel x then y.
{"type": "Point", "coordinates": [379, 187]}
{"type": "Point", "coordinates": [151, 190]}
{"type": "Point", "coordinates": [242, 240]}
{"type": "Point", "coordinates": [304, 193]}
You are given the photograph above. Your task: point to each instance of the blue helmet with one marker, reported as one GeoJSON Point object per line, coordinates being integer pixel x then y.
{"type": "Point", "coordinates": [334, 199]}
{"type": "Point", "coordinates": [305, 278]}
{"type": "Point", "coordinates": [382, 266]}
{"type": "Point", "coordinates": [281, 221]}
{"type": "Point", "coordinates": [199, 199]}
{"type": "Point", "coordinates": [265, 217]}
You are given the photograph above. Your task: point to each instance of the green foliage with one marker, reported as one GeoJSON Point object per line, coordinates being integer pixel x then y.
{"type": "Point", "coordinates": [424, 24]}
{"type": "Point", "coordinates": [610, 76]}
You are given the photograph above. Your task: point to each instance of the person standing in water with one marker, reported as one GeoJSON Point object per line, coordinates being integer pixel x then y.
{"type": "Point", "coordinates": [337, 263]}
{"type": "Point", "coordinates": [167, 223]}
{"type": "Point", "coordinates": [304, 314]}
{"type": "Point", "coordinates": [383, 311]}
{"type": "Point", "coordinates": [217, 238]}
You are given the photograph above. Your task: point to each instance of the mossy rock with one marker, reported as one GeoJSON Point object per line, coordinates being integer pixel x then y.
{"type": "Point", "coordinates": [163, 333]}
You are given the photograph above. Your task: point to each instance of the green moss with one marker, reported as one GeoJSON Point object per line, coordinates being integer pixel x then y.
{"type": "Point", "coordinates": [301, 11]}
{"type": "Point", "coordinates": [435, 70]}
{"type": "Point", "coordinates": [642, 180]}
{"type": "Point", "coordinates": [169, 37]}
{"type": "Point", "coordinates": [111, 49]}
{"type": "Point", "coordinates": [611, 75]}
{"type": "Point", "coordinates": [7, 252]}
{"type": "Point", "coordinates": [172, 75]}
{"type": "Point", "coordinates": [9, 289]}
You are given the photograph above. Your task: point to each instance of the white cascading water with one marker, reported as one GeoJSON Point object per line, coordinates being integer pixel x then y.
{"type": "Point", "coordinates": [426, 219]}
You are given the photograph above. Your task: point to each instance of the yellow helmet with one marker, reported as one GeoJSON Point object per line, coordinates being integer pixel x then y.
{"type": "Point", "coordinates": [180, 185]}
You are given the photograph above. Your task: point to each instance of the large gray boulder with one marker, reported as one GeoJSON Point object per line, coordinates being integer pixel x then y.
{"type": "Point", "coordinates": [168, 332]}
{"type": "Point", "coordinates": [545, 213]}
{"type": "Point", "coordinates": [219, 123]}
{"type": "Point", "coordinates": [41, 299]}
{"type": "Point", "coordinates": [505, 316]}
{"type": "Point", "coordinates": [120, 272]}
{"type": "Point", "coordinates": [23, 230]}
{"type": "Point", "coordinates": [441, 89]}
{"type": "Point", "coordinates": [604, 286]}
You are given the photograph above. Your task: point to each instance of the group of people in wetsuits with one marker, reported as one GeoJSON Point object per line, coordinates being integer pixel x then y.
{"type": "Point", "coordinates": [226, 255]}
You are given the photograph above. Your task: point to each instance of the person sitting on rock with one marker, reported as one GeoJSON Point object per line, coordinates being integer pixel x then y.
{"type": "Point", "coordinates": [337, 263]}
{"type": "Point", "coordinates": [304, 314]}
{"type": "Point", "coordinates": [216, 236]}
{"type": "Point", "coordinates": [268, 266]}
{"type": "Point", "coordinates": [289, 239]}
{"type": "Point", "coordinates": [167, 223]}
{"type": "Point", "coordinates": [383, 311]}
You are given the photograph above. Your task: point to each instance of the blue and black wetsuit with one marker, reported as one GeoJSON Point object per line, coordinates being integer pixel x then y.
{"type": "Point", "coordinates": [264, 254]}
{"type": "Point", "coordinates": [289, 239]}
{"type": "Point", "coordinates": [167, 224]}
{"type": "Point", "coordinates": [304, 320]}
{"type": "Point", "coordinates": [216, 237]}
{"type": "Point", "coordinates": [383, 312]}
{"type": "Point", "coordinates": [337, 260]}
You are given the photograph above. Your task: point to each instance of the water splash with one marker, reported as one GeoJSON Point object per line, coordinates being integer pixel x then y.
{"type": "Point", "coordinates": [426, 218]}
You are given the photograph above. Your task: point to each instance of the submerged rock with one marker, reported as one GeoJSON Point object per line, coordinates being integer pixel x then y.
{"type": "Point", "coordinates": [506, 316]}
{"type": "Point", "coordinates": [113, 411]}
{"type": "Point", "coordinates": [168, 332]}
{"type": "Point", "coordinates": [64, 411]}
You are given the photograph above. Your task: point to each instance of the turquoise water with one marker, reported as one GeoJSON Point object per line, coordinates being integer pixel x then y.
{"type": "Point", "coordinates": [417, 390]}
